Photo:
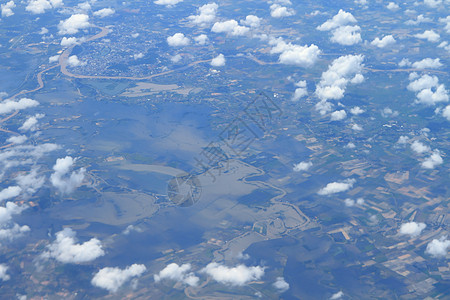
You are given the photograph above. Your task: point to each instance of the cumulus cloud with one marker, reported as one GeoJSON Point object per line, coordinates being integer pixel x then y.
{"type": "Point", "coordinates": [346, 35]}
{"type": "Point", "coordinates": [10, 192]}
{"type": "Point", "coordinates": [300, 91]}
{"type": "Point", "coordinates": [237, 276]}
{"type": "Point", "coordinates": [30, 182]}
{"type": "Point", "coordinates": [112, 279]}
{"type": "Point", "coordinates": [218, 61]}
{"type": "Point", "coordinates": [384, 42]}
{"type": "Point", "coordinates": [251, 21]}
{"type": "Point", "coordinates": [201, 39]}
{"type": "Point", "coordinates": [403, 139]}
{"type": "Point", "coordinates": [67, 42]}
{"type": "Point", "coordinates": [18, 139]}
{"type": "Point", "coordinates": [104, 12]}
{"type": "Point", "coordinates": [7, 212]}
{"type": "Point", "coordinates": [446, 21]}
{"type": "Point", "coordinates": [168, 3]}
{"type": "Point", "coordinates": [230, 27]}
{"type": "Point", "coordinates": [446, 112]}
{"type": "Point", "coordinates": [53, 58]}
{"type": "Point", "coordinates": [290, 54]}
{"type": "Point", "coordinates": [356, 110]}
{"type": "Point", "coordinates": [73, 24]}
{"type": "Point", "coordinates": [434, 160]}
{"type": "Point", "coordinates": [392, 6]}
{"type": "Point", "coordinates": [412, 228]}
{"type": "Point", "coordinates": [428, 35]}
{"type": "Point", "coordinates": [428, 90]}
{"type": "Point", "coordinates": [177, 40]}
{"type": "Point", "coordinates": [427, 63]}
{"type": "Point", "coordinates": [278, 11]}
{"type": "Point", "coordinates": [73, 61]}
{"type": "Point", "coordinates": [418, 20]}
{"type": "Point", "coordinates": [337, 295]}
{"type": "Point", "coordinates": [438, 247]}
{"type": "Point", "coordinates": [350, 202]}
{"type": "Point", "coordinates": [40, 6]}
{"type": "Point", "coordinates": [65, 249]}
{"type": "Point", "coordinates": [206, 14]}
{"type": "Point", "coordinates": [3, 275]}
{"type": "Point", "coordinates": [302, 166]}
{"type": "Point", "coordinates": [8, 106]}
{"type": "Point", "coordinates": [340, 19]}
{"type": "Point", "coordinates": [60, 179]}
{"type": "Point", "coordinates": [174, 59]}
{"type": "Point", "coordinates": [177, 273]}
{"type": "Point", "coordinates": [338, 115]}
{"type": "Point", "coordinates": [30, 124]}
{"type": "Point", "coordinates": [356, 127]}
{"type": "Point", "coordinates": [337, 187]}
{"type": "Point", "coordinates": [7, 8]}
{"type": "Point", "coordinates": [432, 3]}
{"type": "Point", "coordinates": [419, 148]}
{"type": "Point", "coordinates": [281, 285]}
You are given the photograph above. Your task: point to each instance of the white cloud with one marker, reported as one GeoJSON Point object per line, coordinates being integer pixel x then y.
{"type": "Point", "coordinates": [206, 14]}
{"type": "Point", "coordinates": [177, 273]}
{"type": "Point", "coordinates": [403, 139]}
{"type": "Point", "coordinates": [251, 21]}
{"type": "Point", "coordinates": [281, 285]}
{"type": "Point", "coordinates": [53, 58]}
{"type": "Point", "coordinates": [428, 35]}
{"type": "Point", "coordinates": [7, 8]}
{"type": "Point", "coordinates": [18, 139]}
{"type": "Point", "coordinates": [446, 112]}
{"type": "Point", "coordinates": [167, 3]}
{"type": "Point", "coordinates": [428, 90]}
{"type": "Point", "coordinates": [218, 61]}
{"type": "Point", "coordinates": [176, 58]}
{"type": "Point", "coordinates": [237, 276]}
{"type": "Point", "coordinates": [432, 3]}
{"type": "Point", "coordinates": [356, 110]}
{"type": "Point", "coordinates": [337, 187]}
{"type": "Point", "coordinates": [73, 61]}
{"type": "Point", "coordinates": [290, 54]}
{"type": "Point", "coordinates": [67, 42]}
{"type": "Point", "coordinates": [7, 211]}
{"type": "Point", "coordinates": [392, 6]}
{"type": "Point", "coordinates": [404, 63]}
{"type": "Point", "coordinates": [349, 202]}
{"type": "Point", "coordinates": [8, 106]}
{"type": "Point", "coordinates": [278, 11]}
{"type": "Point", "coordinates": [356, 127]}
{"type": "Point", "coordinates": [302, 166]}
{"type": "Point", "coordinates": [427, 63]}
{"type": "Point", "coordinates": [138, 55]}
{"type": "Point", "coordinates": [84, 6]}
{"type": "Point", "coordinates": [384, 42]}
{"type": "Point", "coordinates": [323, 107]}
{"type": "Point", "coordinates": [340, 19]}
{"type": "Point", "coordinates": [337, 295]}
{"type": "Point", "coordinates": [65, 249]}
{"type": "Point", "coordinates": [334, 81]}
{"type": "Point", "coordinates": [412, 228]}
{"type": "Point", "coordinates": [424, 82]}
{"type": "Point", "coordinates": [30, 124]}
{"type": "Point", "coordinates": [112, 279]}
{"type": "Point", "coordinates": [30, 182]}
{"type": "Point", "coordinates": [388, 112]}
{"type": "Point", "coordinates": [3, 270]}
{"type": "Point", "coordinates": [73, 24]}
{"type": "Point", "coordinates": [438, 247]}
{"type": "Point", "coordinates": [434, 160]}
{"type": "Point", "coordinates": [418, 20]}
{"type": "Point", "coordinates": [201, 39]}
{"type": "Point", "coordinates": [177, 40]}
{"type": "Point", "coordinates": [446, 21]}
{"type": "Point", "coordinates": [40, 6]}
{"type": "Point", "coordinates": [10, 192]}
{"type": "Point", "coordinates": [230, 27]}
{"type": "Point", "coordinates": [301, 90]}
{"type": "Point", "coordinates": [350, 145]}
{"type": "Point", "coordinates": [43, 30]}
{"type": "Point", "coordinates": [69, 183]}
{"type": "Point", "coordinates": [419, 148]}
{"type": "Point", "coordinates": [338, 115]}
{"type": "Point", "coordinates": [346, 35]}
{"type": "Point", "coordinates": [104, 12]}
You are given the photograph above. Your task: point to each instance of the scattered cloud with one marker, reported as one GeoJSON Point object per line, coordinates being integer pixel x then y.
{"type": "Point", "coordinates": [30, 124]}
{"type": "Point", "coordinates": [278, 11]}
{"type": "Point", "coordinates": [446, 21]}
{"type": "Point", "coordinates": [176, 58]}
{"type": "Point", "coordinates": [9, 230]}
{"type": "Point", "coordinates": [392, 6]}
{"type": "Point", "coordinates": [438, 247]}
{"type": "Point", "coordinates": [218, 61]}
{"type": "Point", "coordinates": [337, 295]}
{"type": "Point", "coordinates": [338, 115]}
{"type": "Point", "coordinates": [65, 249]}
{"type": "Point", "coordinates": [434, 160]}
{"type": "Point", "coordinates": [337, 187]}
{"type": "Point", "coordinates": [53, 58]}
{"type": "Point", "coordinates": [428, 35]}
{"type": "Point", "coordinates": [177, 40]}
{"type": "Point", "coordinates": [356, 110]}
{"type": "Point", "coordinates": [30, 182]}
{"type": "Point", "coordinates": [7, 8]}
{"type": "Point", "coordinates": [412, 228]}
{"type": "Point", "coordinates": [290, 54]}
{"type": "Point", "coordinates": [446, 112]}
{"type": "Point", "coordinates": [40, 6]}
{"type": "Point", "coordinates": [427, 63]}
{"type": "Point", "coordinates": [59, 179]}
{"type": "Point", "coordinates": [67, 42]}
{"type": "Point", "coordinates": [340, 19]}
{"type": "Point", "coordinates": [432, 3]}
{"type": "Point", "coordinates": [356, 127]}
{"type": "Point", "coordinates": [418, 20]}
{"type": "Point", "coordinates": [167, 3]}
{"type": "Point", "coordinates": [3, 275]}
{"type": "Point", "coordinates": [236, 276]}
{"type": "Point", "coordinates": [302, 166]}
{"type": "Point", "coordinates": [384, 42]}
{"type": "Point", "coordinates": [420, 148]}
{"type": "Point", "coordinates": [8, 106]}
{"type": "Point", "coordinates": [177, 273]}
{"type": "Point", "coordinates": [10, 192]}
{"type": "Point", "coordinates": [231, 27]}
{"type": "Point", "coordinates": [428, 90]}
{"type": "Point", "coordinates": [251, 21]}
{"type": "Point", "coordinates": [206, 14]}
{"type": "Point", "coordinates": [112, 279]}
{"type": "Point", "coordinates": [18, 139]}
{"type": "Point", "coordinates": [281, 285]}
{"type": "Point", "coordinates": [73, 24]}
{"type": "Point", "coordinates": [201, 39]}
{"type": "Point", "coordinates": [346, 35]}
{"type": "Point", "coordinates": [104, 12]}
{"type": "Point", "coordinates": [301, 90]}
{"type": "Point", "coordinates": [73, 61]}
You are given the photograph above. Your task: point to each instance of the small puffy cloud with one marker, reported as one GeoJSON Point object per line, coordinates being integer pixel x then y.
{"type": "Point", "coordinates": [384, 42]}
{"type": "Point", "coordinates": [30, 124]}
{"type": "Point", "coordinates": [434, 160]}
{"type": "Point", "coordinates": [346, 35]}
{"type": "Point", "coordinates": [446, 21]}
{"type": "Point", "coordinates": [237, 276]}
{"type": "Point", "coordinates": [427, 63]}
{"type": "Point", "coordinates": [350, 145]}
{"type": "Point", "coordinates": [138, 55]}
{"type": "Point", "coordinates": [356, 110]}
{"type": "Point", "coordinates": [418, 20]}
{"type": "Point", "coordinates": [290, 54]}
{"type": "Point", "coordinates": [337, 187]}
{"type": "Point", "coordinates": [428, 90]}
{"type": "Point", "coordinates": [404, 63]}
{"type": "Point", "coordinates": [40, 6]}
{"type": "Point", "coordinates": [3, 275]}
{"type": "Point", "coordinates": [281, 285]}
{"type": "Point", "coordinates": [302, 166]}
{"type": "Point", "coordinates": [104, 12]}
{"type": "Point", "coordinates": [10, 192]}
{"type": "Point", "coordinates": [67, 42]}
{"type": "Point", "coordinates": [419, 148]}
{"type": "Point", "coordinates": [7, 211]}
{"type": "Point", "coordinates": [356, 127]}
{"type": "Point", "coordinates": [323, 107]}
{"type": "Point", "coordinates": [201, 39]}
{"type": "Point", "coordinates": [428, 35]}
{"type": "Point", "coordinates": [7, 8]}
{"type": "Point", "coordinates": [18, 139]}
{"type": "Point", "coordinates": [30, 182]}
{"type": "Point", "coordinates": [432, 3]}
{"type": "Point", "coordinates": [218, 61]}
{"type": "Point", "coordinates": [251, 21]}
{"type": "Point", "coordinates": [206, 14]}
{"type": "Point", "coordinates": [392, 6]}
{"type": "Point", "coordinates": [167, 3]}
{"type": "Point", "coordinates": [340, 19]}
{"type": "Point", "coordinates": [412, 228]}
{"type": "Point", "coordinates": [337, 295]}
{"type": "Point", "coordinates": [438, 247]}
{"type": "Point", "coordinates": [176, 58]}
{"type": "Point", "coordinates": [53, 58]}
{"type": "Point", "coordinates": [73, 61]}
{"type": "Point", "coordinates": [73, 24]}
{"type": "Point", "coordinates": [43, 31]}
{"type": "Point", "coordinates": [84, 6]}
{"type": "Point", "coordinates": [61, 180]}
{"type": "Point", "coordinates": [301, 90]}
{"type": "Point", "coordinates": [230, 27]}
{"type": "Point", "coordinates": [424, 82]}
{"type": "Point", "coordinates": [177, 273]}
{"type": "Point", "coordinates": [8, 106]}
{"type": "Point", "coordinates": [278, 11]}
{"type": "Point", "coordinates": [112, 279]}
{"type": "Point", "coordinates": [403, 140]}
{"type": "Point", "coordinates": [65, 249]}
{"type": "Point", "coordinates": [338, 115]}
{"type": "Point", "coordinates": [446, 112]}
{"type": "Point", "coordinates": [349, 202]}
{"type": "Point", "coordinates": [177, 40]}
